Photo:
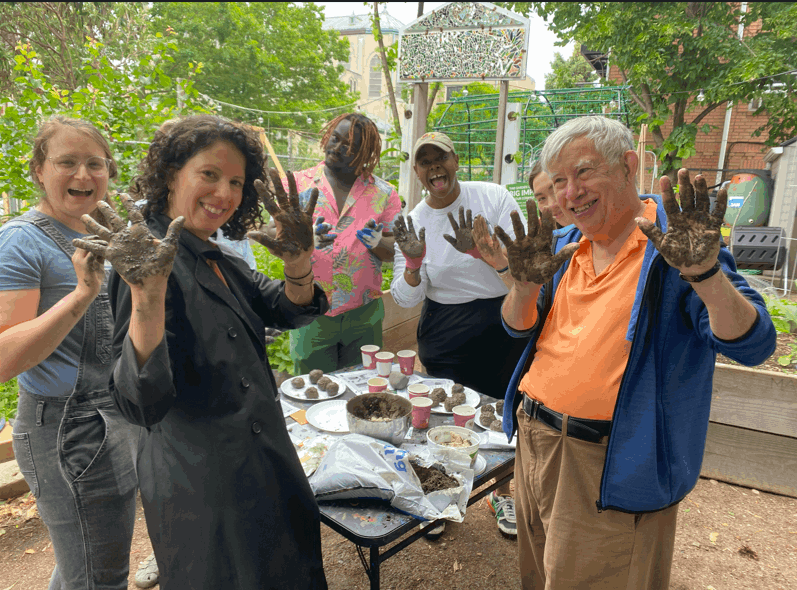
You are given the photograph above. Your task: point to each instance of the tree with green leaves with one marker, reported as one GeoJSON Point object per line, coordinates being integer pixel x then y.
{"type": "Point", "coordinates": [671, 53]}
{"type": "Point", "coordinates": [57, 32]}
{"type": "Point", "coordinates": [127, 105]}
{"type": "Point", "coordinates": [271, 56]}
{"type": "Point", "coordinates": [570, 73]}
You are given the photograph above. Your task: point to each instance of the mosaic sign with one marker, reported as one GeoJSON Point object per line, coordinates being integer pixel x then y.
{"type": "Point", "coordinates": [464, 41]}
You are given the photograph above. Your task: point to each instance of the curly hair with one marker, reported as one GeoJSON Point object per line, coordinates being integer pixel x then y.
{"type": "Point", "coordinates": [179, 140]}
{"type": "Point", "coordinates": [52, 126]}
{"type": "Point", "coordinates": [367, 159]}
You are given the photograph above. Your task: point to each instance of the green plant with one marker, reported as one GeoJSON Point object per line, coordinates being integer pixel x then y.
{"type": "Point", "coordinates": [9, 394]}
{"type": "Point", "coordinates": [387, 275]}
{"type": "Point", "coordinates": [279, 352]}
{"type": "Point", "coordinates": [127, 106]}
{"type": "Point", "coordinates": [784, 317]}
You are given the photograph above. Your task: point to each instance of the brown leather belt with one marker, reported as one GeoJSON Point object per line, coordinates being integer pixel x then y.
{"type": "Point", "coordinates": [581, 428]}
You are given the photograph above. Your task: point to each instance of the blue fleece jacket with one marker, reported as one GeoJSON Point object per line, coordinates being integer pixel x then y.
{"type": "Point", "coordinates": [660, 418]}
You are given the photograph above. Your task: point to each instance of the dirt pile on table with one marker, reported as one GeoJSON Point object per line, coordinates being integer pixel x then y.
{"type": "Point", "coordinates": [432, 479]}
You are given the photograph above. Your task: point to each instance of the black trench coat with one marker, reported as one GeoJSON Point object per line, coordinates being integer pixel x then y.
{"type": "Point", "coordinates": [226, 500]}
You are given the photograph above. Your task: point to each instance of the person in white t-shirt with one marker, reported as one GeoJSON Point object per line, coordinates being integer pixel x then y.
{"type": "Point", "coordinates": [460, 335]}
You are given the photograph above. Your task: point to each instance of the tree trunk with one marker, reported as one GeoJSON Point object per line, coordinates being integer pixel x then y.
{"type": "Point", "coordinates": [386, 71]}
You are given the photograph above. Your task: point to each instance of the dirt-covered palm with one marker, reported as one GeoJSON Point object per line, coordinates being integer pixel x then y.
{"type": "Point", "coordinates": [529, 255]}
{"type": "Point", "coordinates": [692, 241]}
{"type": "Point", "coordinates": [412, 245]}
{"type": "Point", "coordinates": [462, 240]}
{"type": "Point", "coordinates": [294, 224]}
{"type": "Point", "coordinates": [132, 249]}
{"type": "Point", "coordinates": [489, 245]}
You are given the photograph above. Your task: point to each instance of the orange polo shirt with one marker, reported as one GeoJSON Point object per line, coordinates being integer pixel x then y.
{"type": "Point", "coordinates": [582, 351]}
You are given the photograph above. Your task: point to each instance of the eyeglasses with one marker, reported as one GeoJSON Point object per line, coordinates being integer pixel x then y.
{"type": "Point", "coordinates": [68, 165]}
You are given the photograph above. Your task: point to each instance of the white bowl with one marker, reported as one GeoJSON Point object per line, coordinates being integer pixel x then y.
{"type": "Point", "coordinates": [440, 435]}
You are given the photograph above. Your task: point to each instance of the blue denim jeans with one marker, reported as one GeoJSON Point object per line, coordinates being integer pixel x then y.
{"type": "Point", "coordinates": [78, 456]}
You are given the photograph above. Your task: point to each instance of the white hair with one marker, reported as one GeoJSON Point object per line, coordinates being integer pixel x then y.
{"type": "Point", "coordinates": [610, 137]}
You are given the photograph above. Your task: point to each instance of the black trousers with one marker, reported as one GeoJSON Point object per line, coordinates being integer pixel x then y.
{"type": "Point", "coordinates": [466, 342]}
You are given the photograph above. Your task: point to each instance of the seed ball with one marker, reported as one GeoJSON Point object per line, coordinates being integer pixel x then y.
{"type": "Point", "coordinates": [332, 388]}
{"type": "Point", "coordinates": [488, 410]}
{"type": "Point", "coordinates": [398, 380]}
{"type": "Point", "coordinates": [458, 388]}
{"type": "Point", "coordinates": [459, 398]}
{"type": "Point", "coordinates": [450, 403]}
{"type": "Point", "coordinates": [323, 383]}
{"type": "Point", "coordinates": [438, 396]}
{"type": "Point", "coordinates": [315, 375]}
{"type": "Point", "coordinates": [499, 407]}
{"type": "Point", "coordinates": [496, 426]}
{"type": "Point", "coordinates": [311, 393]}
{"type": "Point", "coordinates": [486, 418]}
{"type": "Point", "coordinates": [297, 382]}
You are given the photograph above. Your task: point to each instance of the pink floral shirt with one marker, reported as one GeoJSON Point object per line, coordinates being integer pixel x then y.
{"type": "Point", "coordinates": [349, 274]}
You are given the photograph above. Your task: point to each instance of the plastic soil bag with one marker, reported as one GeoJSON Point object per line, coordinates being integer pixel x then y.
{"type": "Point", "coordinates": [358, 466]}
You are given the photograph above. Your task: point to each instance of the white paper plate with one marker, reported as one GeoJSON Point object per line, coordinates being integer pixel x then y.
{"type": "Point", "coordinates": [300, 395]}
{"type": "Point", "coordinates": [472, 398]}
{"type": "Point", "coordinates": [478, 418]}
{"type": "Point", "coordinates": [329, 416]}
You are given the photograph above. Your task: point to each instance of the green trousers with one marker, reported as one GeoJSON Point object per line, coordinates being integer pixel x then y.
{"type": "Point", "coordinates": [332, 343]}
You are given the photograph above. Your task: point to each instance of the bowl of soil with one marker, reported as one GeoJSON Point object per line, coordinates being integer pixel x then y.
{"type": "Point", "coordinates": [455, 437]}
{"type": "Point", "coordinates": [381, 415]}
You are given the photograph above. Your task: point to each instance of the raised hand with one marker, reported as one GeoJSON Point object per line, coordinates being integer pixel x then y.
{"type": "Point", "coordinates": [489, 245]}
{"type": "Point", "coordinates": [692, 241]}
{"type": "Point", "coordinates": [133, 251]}
{"type": "Point", "coordinates": [411, 245]}
{"type": "Point", "coordinates": [462, 240]}
{"type": "Point", "coordinates": [295, 233]}
{"type": "Point", "coordinates": [321, 237]}
{"type": "Point", "coordinates": [371, 234]}
{"type": "Point", "coordinates": [530, 257]}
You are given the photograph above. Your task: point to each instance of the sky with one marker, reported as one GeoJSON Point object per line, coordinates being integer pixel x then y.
{"type": "Point", "coordinates": [541, 44]}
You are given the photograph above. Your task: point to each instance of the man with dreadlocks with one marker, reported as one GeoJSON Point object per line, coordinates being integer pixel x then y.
{"type": "Point", "coordinates": [353, 237]}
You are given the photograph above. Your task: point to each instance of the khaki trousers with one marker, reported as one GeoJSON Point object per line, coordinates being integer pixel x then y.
{"type": "Point", "coordinates": [564, 543]}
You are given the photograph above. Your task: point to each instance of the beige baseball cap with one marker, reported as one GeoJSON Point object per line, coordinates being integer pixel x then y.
{"type": "Point", "coordinates": [435, 138]}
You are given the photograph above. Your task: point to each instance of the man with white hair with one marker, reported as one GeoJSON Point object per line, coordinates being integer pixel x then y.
{"type": "Point", "coordinates": [624, 315]}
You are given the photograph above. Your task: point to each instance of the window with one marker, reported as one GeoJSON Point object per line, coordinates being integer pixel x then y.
{"type": "Point", "coordinates": [352, 85]}
{"type": "Point", "coordinates": [450, 90]}
{"type": "Point", "coordinates": [375, 78]}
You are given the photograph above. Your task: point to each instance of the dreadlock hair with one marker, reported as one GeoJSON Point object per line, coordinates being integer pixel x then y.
{"type": "Point", "coordinates": [367, 158]}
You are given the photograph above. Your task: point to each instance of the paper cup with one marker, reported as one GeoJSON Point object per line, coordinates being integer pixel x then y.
{"type": "Point", "coordinates": [369, 359]}
{"type": "Point", "coordinates": [418, 390]}
{"type": "Point", "coordinates": [464, 416]}
{"type": "Point", "coordinates": [377, 384]}
{"type": "Point", "coordinates": [406, 361]}
{"type": "Point", "coordinates": [421, 410]}
{"type": "Point", "coordinates": [384, 363]}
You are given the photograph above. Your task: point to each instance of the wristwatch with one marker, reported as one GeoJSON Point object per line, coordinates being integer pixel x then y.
{"type": "Point", "coordinates": [700, 278]}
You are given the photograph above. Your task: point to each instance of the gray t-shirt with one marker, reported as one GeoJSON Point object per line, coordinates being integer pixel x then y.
{"type": "Point", "coordinates": [29, 259]}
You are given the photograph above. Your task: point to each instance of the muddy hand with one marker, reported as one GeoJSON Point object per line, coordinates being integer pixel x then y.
{"type": "Point", "coordinates": [132, 250]}
{"type": "Point", "coordinates": [462, 240]}
{"type": "Point", "coordinates": [294, 225]}
{"type": "Point", "coordinates": [489, 245]}
{"type": "Point", "coordinates": [411, 245]}
{"type": "Point", "coordinates": [321, 237]}
{"type": "Point", "coordinates": [89, 267]}
{"type": "Point", "coordinates": [692, 241]}
{"type": "Point", "coordinates": [530, 258]}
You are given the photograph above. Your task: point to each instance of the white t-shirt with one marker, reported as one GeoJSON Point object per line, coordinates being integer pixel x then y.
{"type": "Point", "coordinates": [447, 275]}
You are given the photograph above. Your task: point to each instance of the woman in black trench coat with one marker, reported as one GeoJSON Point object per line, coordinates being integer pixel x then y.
{"type": "Point", "coordinates": [226, 500]}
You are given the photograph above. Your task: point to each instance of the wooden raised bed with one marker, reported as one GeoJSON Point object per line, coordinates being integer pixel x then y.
{"type": "Point", "coordinates": [400, 325]}
{"type": "Point", "coordinates": [752, 431]}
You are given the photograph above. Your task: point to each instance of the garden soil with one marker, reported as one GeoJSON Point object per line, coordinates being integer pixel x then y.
{"type": "Point", "coordinates": [728, 538]}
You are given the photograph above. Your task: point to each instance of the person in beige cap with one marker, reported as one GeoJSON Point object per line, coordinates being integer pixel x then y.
{"type": "Point", "coordinates": [462, 284]}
